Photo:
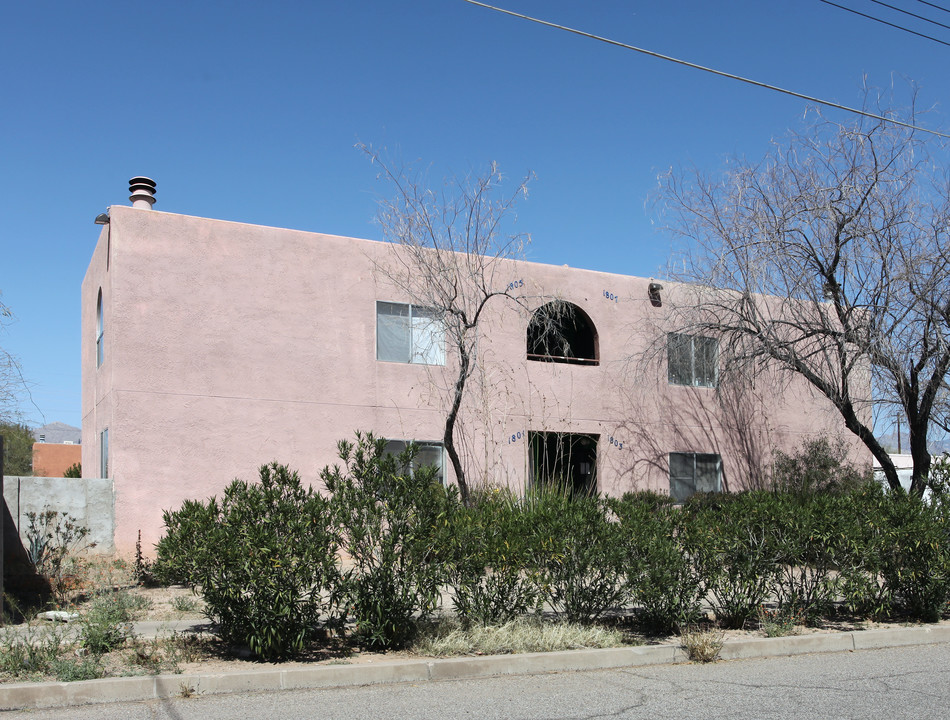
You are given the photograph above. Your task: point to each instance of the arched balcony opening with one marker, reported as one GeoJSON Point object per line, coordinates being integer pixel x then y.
{"type": "Point", "coordinates": [562, 332]}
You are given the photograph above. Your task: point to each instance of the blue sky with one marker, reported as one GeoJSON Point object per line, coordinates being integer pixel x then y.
{"type": "Point", "coordinates": [250, 112]}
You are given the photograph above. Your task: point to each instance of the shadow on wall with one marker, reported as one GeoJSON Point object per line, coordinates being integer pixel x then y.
{"type": "Point", "coordinates": [21, 582]}
{"type": "Point", "coordinates": [727, 421]}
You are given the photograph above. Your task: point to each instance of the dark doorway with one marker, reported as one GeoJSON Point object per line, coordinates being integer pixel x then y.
{"type": "Point", "coordinates": [567, 460]}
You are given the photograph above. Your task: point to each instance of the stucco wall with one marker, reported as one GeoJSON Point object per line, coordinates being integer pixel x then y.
{"type": "Point", "coordinates": [89, 501]}
{"type": "Point", "coordinates": [53, 459]}
{"type": "Point", "coordinates": [232, 345]}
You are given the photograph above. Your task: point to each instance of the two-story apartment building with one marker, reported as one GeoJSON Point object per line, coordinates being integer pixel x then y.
{"type": "Point", "coordinates": [211, 347]}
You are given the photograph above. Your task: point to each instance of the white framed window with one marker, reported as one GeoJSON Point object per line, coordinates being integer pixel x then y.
{"type": "Point", "coordinates": [429, 453]}
{"type": "Point", "coordinates": [693, 473]}
{"type": "Point", "coordinates": [100, 344]}
{"type": "Point", "coordinates": [692, 360]}
{"type": "Point", "coordinates": [104, 453]}
{"type": "Point", "coordinates": [409, 334]}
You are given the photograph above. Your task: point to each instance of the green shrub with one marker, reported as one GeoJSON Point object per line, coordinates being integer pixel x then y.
{"type": "Point", "coordinates": [487, 559]}
{"type": "Point", "coordinates": [915, 558]}
{"type": "Point", "coordinates": [264, 559]}
{"type": "Point", "coordinates": [54, 542]}
{"type": "Point", "coordinates": [862, 587]}
{"type": "Point", "coordinates": [577, 553]}
{"type": "Point", "coordinates": [808, 539]}
{"type": "Point", "coordinates": [389, 517]}
{"type": "Point", "coordinates": [817, 466]}
{"type": "Point", "coordinates": [73, 471]}
{"type": "Point", "coordinates": [729, 542]}
{"type": "Point", "coordinates": [106, 625]}
{"type": "Point", "coordinates": [662, 577]}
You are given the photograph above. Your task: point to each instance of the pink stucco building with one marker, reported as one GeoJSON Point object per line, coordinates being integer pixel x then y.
{"type": "Point", "coordinates": [210, 347]}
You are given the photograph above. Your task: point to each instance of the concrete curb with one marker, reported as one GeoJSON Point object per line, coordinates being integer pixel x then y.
{"type": "Point", "coordinates": [59, 694]}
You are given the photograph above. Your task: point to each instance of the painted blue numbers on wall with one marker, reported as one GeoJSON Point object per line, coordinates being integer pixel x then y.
{"type": "Point", "coordinates": [515, 284]}
{"type": "Point", "coordinates": [516, 437]}
{"type": "Point", "coordinates": [610, 296]}
{"type": "Point", "coordinates": [615, 442]}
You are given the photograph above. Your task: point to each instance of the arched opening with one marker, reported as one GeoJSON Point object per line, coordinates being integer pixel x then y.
{"type": "Point", "coordinates": [562, 332]}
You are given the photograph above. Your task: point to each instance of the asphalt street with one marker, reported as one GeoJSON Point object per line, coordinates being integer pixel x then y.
{"type": "Point", "coordinates": [908, 682]}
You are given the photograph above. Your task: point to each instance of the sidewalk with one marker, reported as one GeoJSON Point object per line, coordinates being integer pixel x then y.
{"type": "Point", "coordinates": [58, 694]}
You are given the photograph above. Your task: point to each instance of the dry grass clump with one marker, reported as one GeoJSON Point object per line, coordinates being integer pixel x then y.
{"type": "Point", "coordinates": [446, 637]}
{"type": "Point", "coordinates": [702, 645]}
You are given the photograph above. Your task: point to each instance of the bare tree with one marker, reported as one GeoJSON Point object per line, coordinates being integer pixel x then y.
{"type": "Point", "coordinates": [12, 384]}
{"type": "Point", "coordinates": [830, 258]}
{"type": "Point", "coordinates": [450, 246]}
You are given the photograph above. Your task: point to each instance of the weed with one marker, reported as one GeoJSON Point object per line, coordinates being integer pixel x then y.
{"type": "Point", "coordinates": [106, 625]}
{"type": "Point", "coordinates": [30, 652]}
{"type": "Point", "coordinates": [184, 647]}
{"type": "Point", "coordinates": [54, 541]}
{"type": "Point", "coordinates": [73, 669]}
{"type": "Point", "coordinates": [186, 690]}
{"type": "Point", "coordinates": [702, 645]}
{"type": "Point", "coordinates": [184, 604]}
{"type": "Point", "coordinates": [143, 566]}
{"type": "Point", "coordinates": [779, 622]}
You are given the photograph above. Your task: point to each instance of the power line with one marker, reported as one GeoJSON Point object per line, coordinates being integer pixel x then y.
{"type": "Point", "coordinates": [924, 2]}
{"type": "Point", "coordinates": [908, 12]}
{"type": "Point", "coordinates": [883, 22]}
{"type": "Point", "coordinates": [720, 73]}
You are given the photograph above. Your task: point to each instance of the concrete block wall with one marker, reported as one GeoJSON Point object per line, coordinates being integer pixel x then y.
{"type": "Point", "coordinates": [91, 501]}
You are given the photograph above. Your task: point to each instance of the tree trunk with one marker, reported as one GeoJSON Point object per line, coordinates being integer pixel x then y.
{"type": "Point", "coordinates": [448, 438]}
{"type": "Point", "coordinates": [920, 457]}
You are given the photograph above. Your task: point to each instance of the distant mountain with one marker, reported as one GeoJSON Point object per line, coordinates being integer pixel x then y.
{"type": "Point", "coordinates": [58, 432]}
{"type": "Point", "coordinates": [889, 442]}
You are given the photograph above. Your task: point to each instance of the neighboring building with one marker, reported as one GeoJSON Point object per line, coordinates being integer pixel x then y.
{"type": "Point", "coordinates": [53, 459]}
{"type": "Point", "coordinates": [56, 449]}
{"type": "Point", "coordinates": [904, 463]}
{"type": "Point", "coordinates": [212, 347]}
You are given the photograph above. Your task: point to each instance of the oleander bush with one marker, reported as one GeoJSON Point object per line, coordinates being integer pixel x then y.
{"type": "Point", "coordinates": [389, 516]}
{"type": "Point", "coordinates": [729, 540]}
{"type": "Point", "coordinates": [487, 551]}
{"type": "Point", "coordinates": [264, 558]}
{"type": "Point", "coordinates": [577, 552]}
{"type": "Point", "coordinates": [807, 538]}
{"type": "Point", "coordinates": [662, 576]}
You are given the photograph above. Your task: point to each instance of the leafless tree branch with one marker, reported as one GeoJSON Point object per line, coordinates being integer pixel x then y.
{"type": "Point", "coordinates": [830, 257]}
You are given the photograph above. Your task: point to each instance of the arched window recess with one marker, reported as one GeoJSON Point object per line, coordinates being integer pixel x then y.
{"type": "Point", "coordinates": [561, 332]}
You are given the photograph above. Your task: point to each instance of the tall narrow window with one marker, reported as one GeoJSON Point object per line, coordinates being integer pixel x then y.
{"type": "Point", "coordinates": [692, 360]}
{"type": "Point", "coordinates": [694, 473]}
{"type": "Point", "coordinates": [409, 334]}
{"type": "Point", "coordinates": [100, 346]}
{"type": "Point", "coordinates": [104, 453]}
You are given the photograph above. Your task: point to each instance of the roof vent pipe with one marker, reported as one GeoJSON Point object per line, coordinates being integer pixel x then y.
{"type": "Point", "coordinates": [143, 192]}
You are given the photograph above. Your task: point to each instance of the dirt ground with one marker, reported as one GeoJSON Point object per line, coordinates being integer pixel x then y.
{"type": "Point", "coordinates": [163, 608]}
{"type": "Point", "coordinates": [204, 653]}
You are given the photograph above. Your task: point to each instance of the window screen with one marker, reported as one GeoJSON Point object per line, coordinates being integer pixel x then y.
{"type": "Point", "coordinates": [692, 360]}
{"type": "Point", "coordinates": [694, 472]}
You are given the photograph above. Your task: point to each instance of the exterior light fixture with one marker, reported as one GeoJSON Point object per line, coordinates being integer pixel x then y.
{"type": "Point", "coordinates": [102, 219]}
{"type": "Point", "coordinates": [654, 292]}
